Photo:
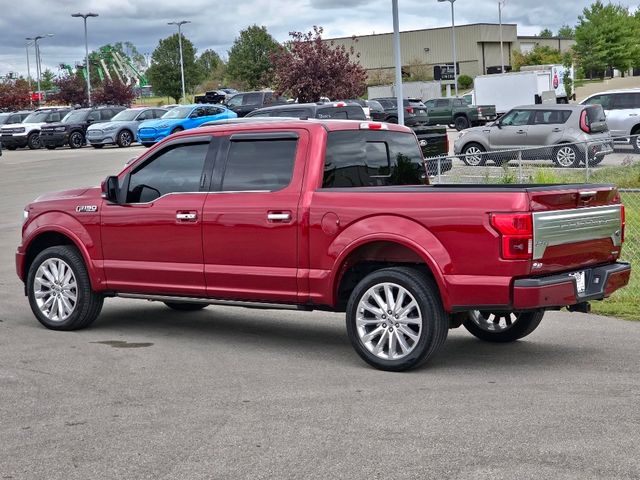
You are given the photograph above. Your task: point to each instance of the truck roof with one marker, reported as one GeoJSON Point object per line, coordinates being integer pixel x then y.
{"type": "Point", "coordinates": [283, 123]}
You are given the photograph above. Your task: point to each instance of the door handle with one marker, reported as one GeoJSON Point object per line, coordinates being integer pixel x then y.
{"type": "Point", "coordinates": [556, 130]}
{"type": "Point", "coordinates": [187, 216]}
{"type": "Point", "coordinates": [633, 114]}
{"type": "Point", "coordinates": [520, 132]}
{"type": "Point", "coordinates": [279, 217]}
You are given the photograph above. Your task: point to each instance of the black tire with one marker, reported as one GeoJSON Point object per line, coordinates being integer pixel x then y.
{"type": "Point", "coordinates": [88, 303]}
{"type": "Point", "coordinates": [431, 335]}
{"type": "Point", "coordinates": [521, 325]}
{"type": "Point", "coordinates": [125, 139]}
{"type": "Point", "coordinates": [97, 146]}
{"type": "Point", "coordinates": [185, 307]}
{"type": "Point", "coordinates": [461, 122]}
{"type": "Point", "coordinates": [177, 129]}
{"type": "Point", "coordinates": [392, 120]}
{"type": "Point", "coordinates": [76, 140]}
{"type": "Point", "coordinates": [50, 147]}
{"type": "Point", "coordinates": [635, 140]}
{"type": "Point", "coordinates": [33, 141]}
{"type": "Point", "coordinates": [471, 155]}
{"type": "Point", "coordinates": [566, 156]}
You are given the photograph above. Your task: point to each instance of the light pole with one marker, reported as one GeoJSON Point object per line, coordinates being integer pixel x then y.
{"type": "Point", "coordinates": [38, 64]}
{"type": "Point", "coordinates": [500, 5]}
{"type": "Point", "coordinates": [398, 61]}
{"type": "Point", "coordinates": [84, 16]}
{"type": "Point", "coordinates": [29, 72]}
{"type": "Point", "coordinates": [179, 24]}
{"type": "Point", "coordinates": [453, 41]}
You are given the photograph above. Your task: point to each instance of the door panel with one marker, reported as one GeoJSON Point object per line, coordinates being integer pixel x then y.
{"type": "Point", "coordinates": [512, 132]}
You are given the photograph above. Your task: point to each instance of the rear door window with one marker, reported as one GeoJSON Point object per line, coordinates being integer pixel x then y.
{"type": "Point", "coordinates": [625, 101]}
{"type": "Point", "coordinates": [550, 117]}
{"type": "Point", "coordinates": [441, 103]}
{"type": "Point", "coordinates": [604, 100]}
{"type": "Point", "coordinates": [365, 158]}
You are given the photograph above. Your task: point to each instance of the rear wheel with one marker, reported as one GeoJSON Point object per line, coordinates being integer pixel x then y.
{"type": "Point", "coordinates": [33, 141]}
{"type": "Point", "coordinates": [395, 319]}
{"type": "Point", "coordinates": [185, 307]}
{"type": "Point", "coordinates": [502, 326]}
{"type": "Point", "coordinates": [461, 123]}
{"type": "Point", "coordinates": [566, 156]}
{"type": "Point", "coordinates": [392, 120]}
{"type": "Point", "coordinates": [635, 140]}
{"type": "Point", "coordinates": [473, 155]}
{"type": "Point", "coordinates": [124, 139]}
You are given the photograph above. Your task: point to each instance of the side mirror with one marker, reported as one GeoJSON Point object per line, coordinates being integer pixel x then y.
{"type": "Point", "coordinates": [110, 188]}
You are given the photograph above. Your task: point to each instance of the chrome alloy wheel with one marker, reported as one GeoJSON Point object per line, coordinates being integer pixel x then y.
{"type": "Point", "coordinates": [472, 156]}
{"type": "Point", "coordinates": [55, 289]}
{"type": "Point", "coordinates": [566, 156]}
{"type": "Point", "coordinates": [493, 321]}
{"type": "Point", "coordinates": [389, 321]}
{"type": "Point", "coordinates": [125, 138]}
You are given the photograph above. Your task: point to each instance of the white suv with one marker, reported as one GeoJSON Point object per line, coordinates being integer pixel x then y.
{"type": "Point", "coordinates": [27, 133]}
{"type": "Point", "coordinates": [622, 108]}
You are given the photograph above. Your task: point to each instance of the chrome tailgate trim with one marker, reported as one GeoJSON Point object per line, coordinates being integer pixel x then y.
{"type": "Point", "coordinates": [560, 227]}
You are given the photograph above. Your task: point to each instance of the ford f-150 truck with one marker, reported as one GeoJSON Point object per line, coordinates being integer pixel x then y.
{"type": "Point", "coordinates": [322, 214]}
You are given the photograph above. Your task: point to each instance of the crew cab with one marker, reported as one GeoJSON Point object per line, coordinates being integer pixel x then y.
{"type": "Point", "coordinates": [457, 112]}
{"type": "Point", "coordinates": [322, 214]}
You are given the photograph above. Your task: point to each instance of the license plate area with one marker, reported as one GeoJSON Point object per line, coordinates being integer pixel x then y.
{"type": "Point", "coordinates": [580, 281]}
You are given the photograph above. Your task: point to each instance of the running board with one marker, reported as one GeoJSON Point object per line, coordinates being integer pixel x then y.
{"type": "Point", "coordinates": [212, 301]}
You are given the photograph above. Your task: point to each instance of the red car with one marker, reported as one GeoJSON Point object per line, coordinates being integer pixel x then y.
{"type": "Point", "coordinates": [330, 215]}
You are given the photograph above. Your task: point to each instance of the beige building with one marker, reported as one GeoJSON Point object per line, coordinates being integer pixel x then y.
{"type": "Point", "coordinates": [477, 45]}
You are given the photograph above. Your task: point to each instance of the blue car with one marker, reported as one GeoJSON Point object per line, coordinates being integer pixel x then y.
{"type": "Point", "coordinates": [180, 118]}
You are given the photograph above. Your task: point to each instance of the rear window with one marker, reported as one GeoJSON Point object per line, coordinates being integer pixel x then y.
{"type": "Point", "coordinates": [365, 158]}
{"type": "Point", "coordinates": [595, 113]}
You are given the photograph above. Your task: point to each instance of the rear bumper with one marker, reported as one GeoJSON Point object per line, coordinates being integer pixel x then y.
{"type": "Point", "coordinates": [561, 290]}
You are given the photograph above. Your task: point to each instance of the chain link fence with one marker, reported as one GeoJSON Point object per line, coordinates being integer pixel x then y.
{"type": "Point", "coordinates": [613, 160]}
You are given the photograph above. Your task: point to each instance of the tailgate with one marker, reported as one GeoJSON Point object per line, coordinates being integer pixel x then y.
{"type": "Point", "coordinates": [575, 226]}
{"type": "Point", "coordinates": [432, 140]}
{"type": "Point", "coordinates": [487, 112]}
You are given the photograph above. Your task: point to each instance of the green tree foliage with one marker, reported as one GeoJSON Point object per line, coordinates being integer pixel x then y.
{"type": "Point", "coordinates": [465, 81]}
{"type": "Point", "coordinates": [250, 57]}
{"type": "Point", "coordinates": [606, 37]}
{"type": "Point", "coordinates": [164, 72]}
{"type": "Point", "coordinates": [565, 31]}
{"type": "Point", "coordinates": [209, 61]}
{"type": "Point", "coordinates": [46, 80]}
{"type": "Point", "coordinates": [546, 33]}
{"type": "Point", "coordinates": [540, 55]}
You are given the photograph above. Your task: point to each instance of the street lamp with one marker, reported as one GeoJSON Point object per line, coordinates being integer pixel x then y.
{"type": "Point", "coordinates": [501, 4]}
{"type": "Point", "coordinates": [29, 72]}
{"type": "Point", "coordinates": [179, 24]}
{"type": "Point", "coordinates": [84, 16]}
{"type": "Point", "coordinates": [38, 60]}
{"type": "Point", "coordinates": [453, 41]}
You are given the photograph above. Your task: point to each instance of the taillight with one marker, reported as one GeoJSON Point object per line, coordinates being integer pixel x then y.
{"type": "Point", "coordinates": [516, 233]}
{"type": "Point", "coordinates": [622, 222]}
{"type": "Point", "coordinates": [373, 126]}
{"type": "Point", "coordinates": [479, 109]}
{"type": "Point", "coordinates": [584, 126]}
{"type": "Point", "coordinates": [409, 109]}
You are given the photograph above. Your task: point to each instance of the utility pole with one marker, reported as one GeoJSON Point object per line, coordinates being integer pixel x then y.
{"type": "Point", "coordinates": [453, 43]}
{"type": "Point", "coordinates": [84, 16]}
{"type": "Point", "coordinates": [29, 73]}
{"type": "Point", "coordinates": [500, 4]}
{"type": "Point", "coordinates": [398, 61]}
{"type": "Point", "coordinates": [179, 24]}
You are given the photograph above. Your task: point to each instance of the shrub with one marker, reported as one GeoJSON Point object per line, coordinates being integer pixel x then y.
{"type": "Point", "coordinates": [465, 81]}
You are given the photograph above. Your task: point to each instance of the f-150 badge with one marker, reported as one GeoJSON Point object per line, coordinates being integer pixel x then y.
{"type": "Point", "coordinates": [86, 208]}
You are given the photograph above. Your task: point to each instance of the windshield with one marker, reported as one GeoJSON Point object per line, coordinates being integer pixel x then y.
{"type": "Point", "coordinates": [126, 115]}
{"type": "Point", "coordinates": [36, 117]}
{"type": "Point", "coordinates": [75, 117]}
{"type": "Point", "coordinates": [178, 112]}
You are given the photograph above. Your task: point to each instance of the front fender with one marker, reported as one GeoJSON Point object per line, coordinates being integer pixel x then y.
{"type": "Point", "coordinates": [396, 229]}
{"type": "Point", "coordinates": [85, 237]}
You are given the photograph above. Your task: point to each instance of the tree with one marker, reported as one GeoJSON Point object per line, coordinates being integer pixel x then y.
{"type": "Point", "coordinates": [164, 72]}
{"type": "Point", "coordinates": [566, 31]}
{"type": "Point", "coordinates": [46, 80]}
{"type": "Point", "coordinates": [14, 94]}
{"type": "Point", "coordinates": [308, 68]}
{"type": "Point", "coordinates": [72, 90]}
{"type": "Point", "coordinates": [114, 92]}
{"type": "Point", "coordinates": [250, 57]}
{"type": "Point", "coordinates": [209, 62]}
{"type": "Point", "coordinates": [546, 33]}
{"type": "Point", "coordinates": [540, 55]}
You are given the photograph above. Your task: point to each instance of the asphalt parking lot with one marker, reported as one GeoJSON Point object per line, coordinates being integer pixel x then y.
{"type": "Point", "coordinates": [227, 393]}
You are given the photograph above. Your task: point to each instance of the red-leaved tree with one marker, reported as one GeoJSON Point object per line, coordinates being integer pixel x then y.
{"type": "Point", "coordinates": [113, 92]}
{"type": "Point", "coordinates": [14, 94]}
{"type": "Point", "coordinates": [308, 68]}
{"type": "Point", "coordinates": [72, 90]}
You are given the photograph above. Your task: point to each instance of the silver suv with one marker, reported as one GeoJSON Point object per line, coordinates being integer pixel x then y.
{"type": "Point", "coordinates": [622, 108]}
{"type": "Point", "coordinates": [563, 130]}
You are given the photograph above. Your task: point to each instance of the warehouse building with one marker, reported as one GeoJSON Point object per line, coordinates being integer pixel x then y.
{"type": "Point", "coordinates": [477, 45]}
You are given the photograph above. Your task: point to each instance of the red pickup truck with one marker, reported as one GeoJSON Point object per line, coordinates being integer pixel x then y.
{"type": "Point", "coordinates": [329, 215]}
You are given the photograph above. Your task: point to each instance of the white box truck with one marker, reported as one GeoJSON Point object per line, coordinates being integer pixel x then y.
{"type": "Point", "coordinates": [534, 84]}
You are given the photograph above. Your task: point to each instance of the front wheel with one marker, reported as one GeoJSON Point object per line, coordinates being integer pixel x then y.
{"type": "Point", "coordinates": [59, 290]}
{"type": "Point", "coordinates": [395, 319]}
{"type": "Point", "coordinates": [502, 327]}
{"type": "Point", "coordinates": [461, 123]}
{"type": "Point", "coordinates": [635, 140]}
{"type": "Point", "coordinates": [33, 141]}
{"type": "Point", "coordinates": [124, 139]}
{"type": "Point", "coordinates": [76, 140]}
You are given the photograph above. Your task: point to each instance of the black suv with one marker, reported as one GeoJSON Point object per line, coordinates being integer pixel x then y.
{"type": "Point", "coordinates": [243, 103]}
{"type": "Point", "coordinates": [386, 110]}
{"type": "Point", "coordinates": [350, 111]}
{"type": "Point", "coordinates": [73, 127]}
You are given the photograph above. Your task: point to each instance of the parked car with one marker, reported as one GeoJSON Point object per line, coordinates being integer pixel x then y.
{"type": "Point", "coordinates": [566, 129]}
{"type": "Point", "coordinates": [622, 108]}
{"type": "Point", "coordinates": [243, 103]}
{"type": "Point", "coordinates": [348, 111]}
{"type": "Point", "coordinates": [13, 117]}
{"type": "Point", "coordinates": [27, 133]}
{"type": "Point", "coordinates": [322, 214]}
{"type": "Point", "coordinates": [212, 96]}
{"type": "Point", "coordinates": [121, 129]}
{"type": "Point", "coordinates": [73, 127]}
{"type": "Point", "coordinates": [457, 112]}
{"type": "Point", "coordinates": [363, 103]}
{"type": "Point", "coordinates": [180, 118]}
{"type": "Point", "coordinates": [386, 110]}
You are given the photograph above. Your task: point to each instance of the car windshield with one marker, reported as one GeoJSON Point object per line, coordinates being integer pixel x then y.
{"type": "Point", "coordinates": [178, 112]}
{"type": "Point", "coordinates": [126, 115]}
{"type": "Point", "coordinates": [36, 117]}
{"type": "Point", "coordinates": [75, 117]}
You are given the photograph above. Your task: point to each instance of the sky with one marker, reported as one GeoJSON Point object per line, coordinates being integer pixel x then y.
{"type": "Point", "coordinates": [215, 25]}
